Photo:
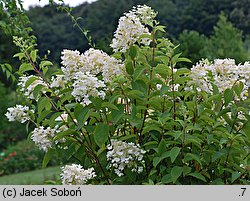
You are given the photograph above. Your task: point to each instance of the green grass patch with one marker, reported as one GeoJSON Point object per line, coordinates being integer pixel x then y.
{"type": "Point", "coordinates": [36, 177]}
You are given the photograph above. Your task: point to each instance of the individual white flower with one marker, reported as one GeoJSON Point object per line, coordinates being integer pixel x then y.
{"type": "Point", "coordinates": [19, 113]}
{"type": "Point", "coordinates": [87, 85]}
{"type": "Point", "coordinates": [128, 32]}
{"type": "Point", "coordinates": [75, 175]}
{"type": "Point", "coordinates": [123, 155]}
{"type": "Point", "coordinates": [28, 90]}
{"type": "Point", "coordinates": [43, 137]}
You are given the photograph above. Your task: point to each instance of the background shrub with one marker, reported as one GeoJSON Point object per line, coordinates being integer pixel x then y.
{"type": "Point", "coordinates": [24, 156]}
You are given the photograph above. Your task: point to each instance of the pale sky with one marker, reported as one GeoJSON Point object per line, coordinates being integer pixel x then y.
{"type": "Point", "coordinates": [72, 3]}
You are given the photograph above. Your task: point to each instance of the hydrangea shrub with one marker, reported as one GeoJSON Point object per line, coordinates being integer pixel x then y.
{"type": "Point", "coordinates": [134, 117]}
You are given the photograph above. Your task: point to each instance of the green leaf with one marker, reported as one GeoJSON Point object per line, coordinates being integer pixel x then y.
{"type": "Point", "coordinates": [45, 63]}
{"type": "Point", "coordinates": [101, 134]}
{"type": "Point", "coordinates": [117, 114]}
{"type": "Point", "coordinates": [228, 96]}
{"type": "Point", "coordinates": [138, 71]}
{"type": "Point", "coordinates": [176, 173]}
{"type": "Point", "coordinates": [129, 67]}
{"type": "Point", "coordinates": [43, 115]}
{"type": "Point", "coordinates": [109, 105]}
{"type": "Point", "coordinates": [81, 115]}
{"type": "Point", "coordinates": [135, 94]}
{"type": "Point", "coordinates": [64, 134]}
{"type": "Point", "coordinates": [190, 156]}
{"type": "Point", "coordinates": [166, 179]}
{"type": "Point", "coordinates": [174, 153]}
{"type": "Point", "coordinates": [182, 59]}
{"type": "Point", "coordinates": [140, 86]}
{"type": "Point", "coordinates": [186, 170]}
{"type": "Point", "coordinates": [37, 90]}
{"type": "Point", "coordinates": [33, 55]}
{"type": "Point", "coordinates": [30, 81]}
{"type": "Point", "coordinates": [43, 103]}
{"type": "Point", "coordinates": [9, 67]}
{"type": "Point", "coordinates": [133, 52]}
{"type": "Point", "coordinates": [25, 67]}
{"type": "Point", "coordinates": [47, 157]}
{"type": "Point", "coordinates": [235, 176]}
{"type": "Point", "coordinates": [156, 161]}
{"type": "Point", "coordinates": [238, 88]}
{"type": "Point", "coordinates": [217, 155]}
{"type": "Point", "coordinates": [160, 28]}
{"type": "Point", "coordinates": [161, 147]}
{"type": "Point", "coordinates": [198, 176]}
{"type": "Point", "coordinates": [20, 55]}
{"type": "Point", "coordinates": [182, 71]}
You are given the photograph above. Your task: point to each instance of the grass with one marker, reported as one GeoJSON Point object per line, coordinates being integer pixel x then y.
{"type": "Point", "coordinates": [35, 177]}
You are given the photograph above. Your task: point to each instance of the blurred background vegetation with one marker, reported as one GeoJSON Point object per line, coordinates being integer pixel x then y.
{"type": "Point", "coordinates": [203, 28]}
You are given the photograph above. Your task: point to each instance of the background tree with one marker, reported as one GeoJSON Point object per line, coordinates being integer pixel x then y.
{"type": "Point", "coordinates": [226, 42]}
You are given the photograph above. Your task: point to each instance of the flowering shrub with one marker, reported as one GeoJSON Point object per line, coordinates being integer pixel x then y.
{"type": "Point", "coordinates": [136, 118]}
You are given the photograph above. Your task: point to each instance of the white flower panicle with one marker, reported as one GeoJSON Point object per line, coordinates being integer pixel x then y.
{"type": "Point", "coordinates": [43, 137]}
{"type": "Point", "coordinates": [86, 85]}
{"type": "Point", "coordinates": [123, 155]}
{"type": "Point", "coordinates": [98, 62]}
{"type": "Point", "coordinates": [28, 90]}
{"type": "Point", "coordinates": [145, 13]}
{"type": "Point", "coordinates": [199, 77]}
{"type": "Point", "coordinates": [93, 61]}
{"type": "Point", "coordinates": [75, 175]}
{"type": "Point", "coordinates": [223, 73]}
{"type": "Point", "coordinates": [71, 60]}
{"type": "Point", "coordinates": [19, 113]}
{"type": "Point", "coordinates": [131, 26]}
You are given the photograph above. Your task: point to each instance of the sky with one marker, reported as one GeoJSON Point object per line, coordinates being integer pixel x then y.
{"type": "Point", "coordinates": [72, 3]}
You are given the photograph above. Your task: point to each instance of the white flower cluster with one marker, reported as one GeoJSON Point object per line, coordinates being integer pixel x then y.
{"type": "Point", "coordinates": [75, 175]}
{"type": "Point", "coordinates": [71, 60]}
{"type": "Point", "coordinates": [88, 72]}
{"type": "Point", "coordinates": [93, 61]}
{"type": "Point", "coordinates": [145, 13]}
{"type": "Point", "coordinates": [19, 113]}
{"type": "Point", "coordinates": [28, 90]}
{"type": "Point", "coordinates": [98, 62]}
{"type": "Point", "coordinates": [223, 73]}
{"type": "Point", "coordinates": [123, 154]}
{"type": "Point", "coordinates": [43, 137]}
{"type": "Point", "coordinates": [131, 26]}
{"type": "Point", "coordinates": [86, 85]}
